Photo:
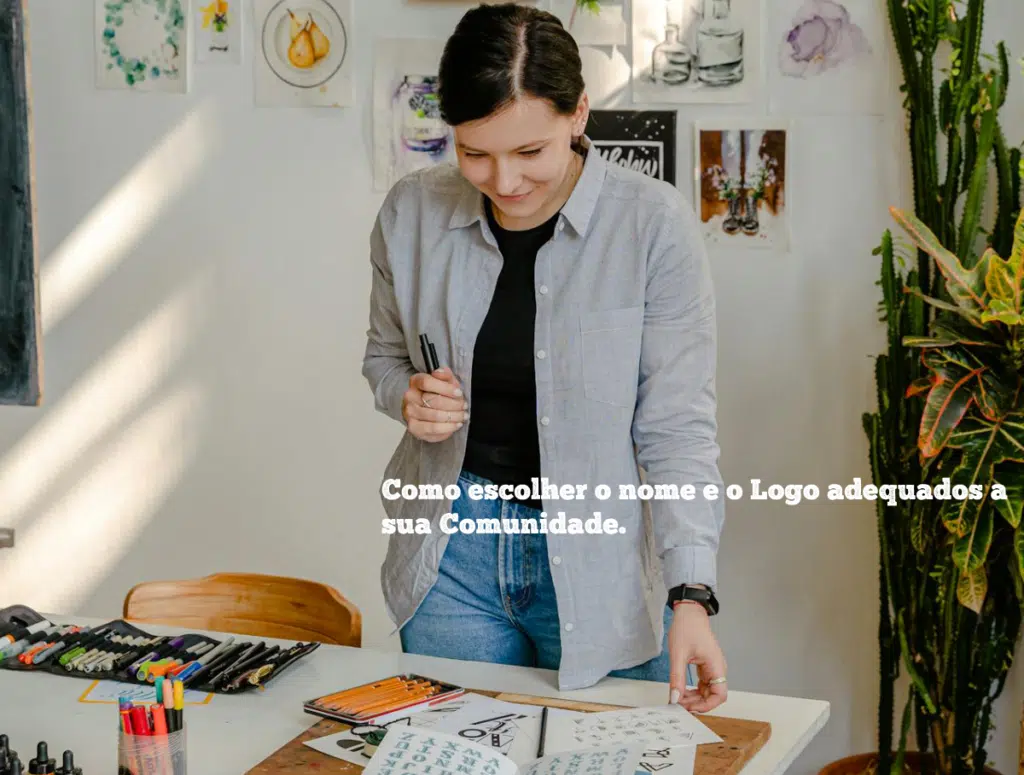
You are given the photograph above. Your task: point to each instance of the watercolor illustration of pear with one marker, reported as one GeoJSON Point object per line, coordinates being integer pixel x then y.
{"type": "Point", "coordinates": [297, 25]}
{"type": "Point", "coordinates": [321, 45]}
{"type": "Point", "coordinates": [300, 52]}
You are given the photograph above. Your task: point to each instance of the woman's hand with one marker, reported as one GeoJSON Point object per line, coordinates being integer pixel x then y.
{"type": "Point", "coordinates": [433, 406]}
{"type": "Point", "coordinates": [690, 640]}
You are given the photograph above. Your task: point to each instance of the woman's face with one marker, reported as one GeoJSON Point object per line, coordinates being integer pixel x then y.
{"type": "Point", "coordinates": [519, 156]}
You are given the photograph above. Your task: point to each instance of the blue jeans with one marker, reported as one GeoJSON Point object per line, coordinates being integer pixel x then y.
{"type": "Point", "coordinates": [494, 600]}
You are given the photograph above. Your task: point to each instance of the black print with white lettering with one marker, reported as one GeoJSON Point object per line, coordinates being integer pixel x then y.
{"type": "Point", "coordinates": [641, 140]}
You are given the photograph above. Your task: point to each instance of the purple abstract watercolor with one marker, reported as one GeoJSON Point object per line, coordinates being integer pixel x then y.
{"type": "Point", "coordinates": [822, 38]}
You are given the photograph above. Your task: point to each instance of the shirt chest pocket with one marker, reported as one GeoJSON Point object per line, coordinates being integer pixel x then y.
{"type": "Point", "coordinates": [611, 354]}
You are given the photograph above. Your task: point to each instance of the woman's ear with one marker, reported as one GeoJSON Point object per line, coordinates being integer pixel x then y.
{"type": "Point", "coordinates": [579, 118]}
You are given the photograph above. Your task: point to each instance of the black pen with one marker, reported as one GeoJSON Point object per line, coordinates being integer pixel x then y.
{"type": "Point", "coordinates": [429, 354]}
{"type": "Point", "coordinates": [543, 731]}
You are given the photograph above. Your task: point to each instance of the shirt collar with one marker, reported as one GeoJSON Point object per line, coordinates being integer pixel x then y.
{"type": "Point", "coordinates": [577, 210]}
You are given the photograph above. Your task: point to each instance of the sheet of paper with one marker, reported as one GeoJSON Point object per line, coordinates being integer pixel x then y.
{"type": "Point", "coordinates": [108, 692]}
{"type": "Point", "coordinates": [359, 744]}
{"type": "Point", "coordinates": [487, 721]}
{"type": "Point", "coordinates": [678, 760]}
{"type": "Point", "coordinates": [622, 759]}
{"type": "Point", "coordinates": [412, 751]}
{"type": "Point", "coordinates": [655, 727]}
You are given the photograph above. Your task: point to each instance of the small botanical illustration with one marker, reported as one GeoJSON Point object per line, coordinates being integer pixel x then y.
{"type": "Point", "coordinates": [142, 42]}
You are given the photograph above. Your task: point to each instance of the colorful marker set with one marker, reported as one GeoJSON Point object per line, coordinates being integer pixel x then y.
{"type": "Point", "coordinates": [152, 738]}
{"type": "Point", "coordinates": [123, 652]}
{"type": "Point", "coordinates": [381, 698]}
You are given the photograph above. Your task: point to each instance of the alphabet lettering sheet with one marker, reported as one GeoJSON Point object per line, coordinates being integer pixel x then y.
{"type": "Point", "coordinates": [471, 717]}
{"type": "Point", "coordinates": [658, 727]}
{"type": "Point", "coordinates": [414, 751]}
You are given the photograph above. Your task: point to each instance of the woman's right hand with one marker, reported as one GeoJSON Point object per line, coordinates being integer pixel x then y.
{"type": "Point", "coordinates": [433, 406]}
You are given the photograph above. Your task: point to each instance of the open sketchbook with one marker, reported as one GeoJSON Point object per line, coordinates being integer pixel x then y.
{"type": "Point", "coordinates": [413, 751]}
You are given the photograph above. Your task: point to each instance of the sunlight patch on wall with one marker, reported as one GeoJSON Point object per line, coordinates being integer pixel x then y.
{"type": "Point", "coordinates": [115, 226]}
{"type": "Point", "coordinates": [94, 526]}
{"type": "Point", "coordinates": [100, 400]}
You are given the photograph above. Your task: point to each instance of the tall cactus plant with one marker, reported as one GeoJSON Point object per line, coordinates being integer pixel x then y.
{"type": "Point", "coordinates": [952, 634]}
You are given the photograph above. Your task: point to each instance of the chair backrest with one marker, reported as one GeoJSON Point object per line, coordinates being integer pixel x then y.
{"type": "Point", "coordinates": [249, 604]}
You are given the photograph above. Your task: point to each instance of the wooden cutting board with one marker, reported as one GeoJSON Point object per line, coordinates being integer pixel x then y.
{"type": "Point", "coordinates": [741, 740]}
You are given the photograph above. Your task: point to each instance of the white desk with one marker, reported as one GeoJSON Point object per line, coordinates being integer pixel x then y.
{"type": "Point", "coordinates": [234, 733]}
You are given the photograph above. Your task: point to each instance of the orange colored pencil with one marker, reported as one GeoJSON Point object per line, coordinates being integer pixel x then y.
{"type": "Point", "coordinates": [400, 703]}
{"type": "Point", "coordinates": [365, 697]}
{"type": "Point", "coordinates": [393, 681]}
{"type": "Point", "coordinates": [383, 697]}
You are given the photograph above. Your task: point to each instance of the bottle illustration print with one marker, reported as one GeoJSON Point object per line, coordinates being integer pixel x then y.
{"type": "Point", "coordinates": [719, 46]}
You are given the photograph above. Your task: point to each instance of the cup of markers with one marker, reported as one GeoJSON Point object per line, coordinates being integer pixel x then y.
{"type": "Point", "coordinates": [151, 737]}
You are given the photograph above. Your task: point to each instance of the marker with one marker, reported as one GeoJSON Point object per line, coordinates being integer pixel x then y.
{"type": "Point", "coordinates": [169, 708]}
{"type": "Point", "coordinates": [179, 703]}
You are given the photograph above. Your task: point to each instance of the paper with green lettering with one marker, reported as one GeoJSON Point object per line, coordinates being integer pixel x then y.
{"type": "Point", "coordinates": [412, 751]}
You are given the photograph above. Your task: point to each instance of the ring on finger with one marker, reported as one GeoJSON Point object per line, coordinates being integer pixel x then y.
{"type": "Point", "coordinates": [425, 401]}
{"type": "Point", "coordinates": [714, 681]}
{"type": "Point", "coordinates": [449, 416]}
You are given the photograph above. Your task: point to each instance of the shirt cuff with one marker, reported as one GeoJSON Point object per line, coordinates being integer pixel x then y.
{"type": "Point", "coordinates": [690, 565]}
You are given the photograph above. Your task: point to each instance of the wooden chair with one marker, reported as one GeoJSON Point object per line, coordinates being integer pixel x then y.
{"type": "Point", "coordinates": [249, 604]}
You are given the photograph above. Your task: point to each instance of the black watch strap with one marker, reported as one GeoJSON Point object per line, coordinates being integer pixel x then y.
{"type": "Point", "coordinates": [704, 597]}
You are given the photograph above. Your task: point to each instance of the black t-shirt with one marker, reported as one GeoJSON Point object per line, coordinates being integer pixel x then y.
{"type": "Point", "coordinates": [503, 445]}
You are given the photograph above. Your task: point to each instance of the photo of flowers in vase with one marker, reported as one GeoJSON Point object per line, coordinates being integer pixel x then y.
{"type": "Point", "coordinates": [741, 186]}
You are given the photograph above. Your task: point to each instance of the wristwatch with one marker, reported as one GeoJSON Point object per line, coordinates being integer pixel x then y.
{"type": "Point", "coordinates": [700, 595]}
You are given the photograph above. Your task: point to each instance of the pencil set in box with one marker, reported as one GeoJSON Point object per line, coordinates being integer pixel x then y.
{"type": "Point", "coordinates": [120, 651]}
{"type": "Point", "coordinates": [372, 701]}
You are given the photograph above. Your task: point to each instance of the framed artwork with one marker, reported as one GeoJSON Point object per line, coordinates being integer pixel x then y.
{"type": "Point", "coordinates": [142, 45]}
{"type": "Point", "coordinates": [742, 185]}
{"type": "Point", "coordinates": [20, 356]}
{"type": "Point", "coordinates": [703, 51]}
{"type": "Point", "coordinates": [830, 57]}
{"type": "Point", "coordinates": [219, 32]}
{"type": "Point", "coordinates": [641, 140]}
{"type": "Point", "coordinates": [304, 53]}
{"type": "Point", "coordinates": [408, 132]}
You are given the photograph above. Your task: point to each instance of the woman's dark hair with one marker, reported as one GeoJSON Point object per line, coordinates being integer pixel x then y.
{"type": "Point", "coordinates": [499, 53]}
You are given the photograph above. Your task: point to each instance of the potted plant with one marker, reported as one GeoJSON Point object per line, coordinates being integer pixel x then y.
{"type": "Point", "coordinates": [950, 575]}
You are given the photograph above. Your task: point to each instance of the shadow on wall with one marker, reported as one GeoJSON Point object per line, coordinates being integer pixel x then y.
{"type": "Point", "coordinates": [103, 456]}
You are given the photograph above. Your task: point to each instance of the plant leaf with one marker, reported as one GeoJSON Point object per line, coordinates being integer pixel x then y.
{"type": "Point", "coordinates": [950, 397]}
{"type": "Point", "coordinates": [965, 287]}
{"type": "Point", "coordinates": [1011, 506]}
{"type": "Point", "coordinates": [970, 551]}
{"type": "Point", "coordinates": [943, 305]}
{"type": "Point", "coordinates": [984, 443]}
{"type": "Point", "coordinates": [1018, 545]}
{"type": "Point", "coordinates": [918, 386]}
{"type": "Point", "coordinates": [972, 588]}
{"type": "Point", "coordinates": [997, 279]}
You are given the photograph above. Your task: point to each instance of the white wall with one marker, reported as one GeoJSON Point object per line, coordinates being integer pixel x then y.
{"type": "Point", "coordinates": [204, 406]}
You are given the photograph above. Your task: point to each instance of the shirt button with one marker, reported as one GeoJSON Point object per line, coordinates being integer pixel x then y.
{"type": "Point", "coordinates": [568, 626]}
{"type": "Point", "coordinates": [556, 560]}
{"type": "Point", "coordinates": [545, 420]}
{"type": "Point", "coordinates": [561, 225]}
{"type": "Point", "coordinates": [541, 354]}
{"type": "Point", "coordinates": [543, 289]}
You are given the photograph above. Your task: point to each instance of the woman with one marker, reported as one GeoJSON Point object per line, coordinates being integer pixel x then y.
{"type": "Point", "coordinates": [571, 309]}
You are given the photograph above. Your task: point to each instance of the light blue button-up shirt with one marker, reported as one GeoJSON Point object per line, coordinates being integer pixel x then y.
{"type": "Point", "coordinates": [625, 339]}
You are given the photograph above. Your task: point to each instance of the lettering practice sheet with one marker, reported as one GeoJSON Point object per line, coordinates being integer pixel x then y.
{"type": "Point", "coordinates": [655, 727]}
{"type": "Point", "coordinates": [412, 751]}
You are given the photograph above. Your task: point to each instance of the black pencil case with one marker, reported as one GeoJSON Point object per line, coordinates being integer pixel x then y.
{"type": "Point", "coordinates": [226, 674]}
